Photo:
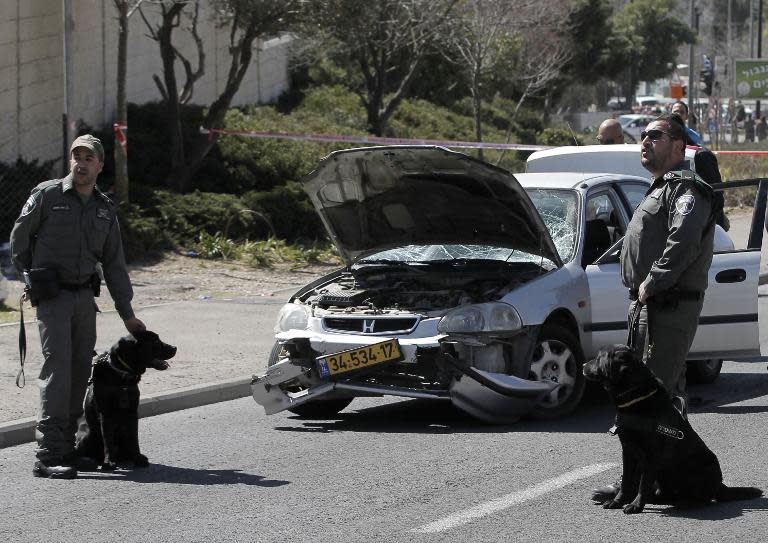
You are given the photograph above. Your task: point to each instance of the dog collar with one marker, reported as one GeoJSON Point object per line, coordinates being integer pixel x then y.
{"type": "Point", "coordinates": [638, 400]}
{"type": "Point", "coordinates": [122, 363]}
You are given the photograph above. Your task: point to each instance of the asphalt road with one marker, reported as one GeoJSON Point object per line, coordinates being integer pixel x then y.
{"type": "Point", "coordinates": [383, 470]}
{"type": "Point", "coordinates": [387, 470]}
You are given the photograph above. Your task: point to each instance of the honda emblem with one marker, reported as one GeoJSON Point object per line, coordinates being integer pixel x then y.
{"type": "Point", "coordinates": [368, 326]}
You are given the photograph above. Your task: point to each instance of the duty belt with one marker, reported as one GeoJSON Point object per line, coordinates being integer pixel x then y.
{"type": "Point", "coordinates": [672, 295]}
{"type": "Point", "coordinates": [75, 286]}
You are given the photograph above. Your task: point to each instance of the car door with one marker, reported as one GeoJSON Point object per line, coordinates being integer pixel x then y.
{"type": "Point", "coordinates": [728, 325]}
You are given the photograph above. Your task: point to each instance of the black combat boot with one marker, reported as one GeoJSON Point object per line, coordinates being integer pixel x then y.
{"type": "Point", "coordinates": [53, 469]}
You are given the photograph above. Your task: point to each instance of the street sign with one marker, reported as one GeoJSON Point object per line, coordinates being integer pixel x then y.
{"type": "Point", "coordinates": [751, 78]}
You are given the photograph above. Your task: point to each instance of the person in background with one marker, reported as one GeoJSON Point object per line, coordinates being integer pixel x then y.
{"type": "Point", "coordinates": [749, 128]}
{"type": "Point", "coordinates": [610, 132]}
{"type": "Point", "coordinates": [680, 109]}
{"type": "Point", "coordinates": [761, 128]}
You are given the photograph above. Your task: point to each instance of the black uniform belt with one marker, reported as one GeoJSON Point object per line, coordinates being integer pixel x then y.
{"type": "Point", "coordinates": [670, 295]}
{"type": "Point", "coordinates": [75, 286]}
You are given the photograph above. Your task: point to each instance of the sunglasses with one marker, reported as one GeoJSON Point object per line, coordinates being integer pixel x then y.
{"type": "Point", "coordinates": [654, 135]}
{"type": "Point", "coordinates": [605, 141]}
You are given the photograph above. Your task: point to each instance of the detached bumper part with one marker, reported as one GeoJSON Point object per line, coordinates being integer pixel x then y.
{"type": "Point", "coordinates": [267, 392]}
{"type": "Point", "coordinates": [496, 398]}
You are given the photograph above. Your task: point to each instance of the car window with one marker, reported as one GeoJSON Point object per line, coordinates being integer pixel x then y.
{"type": "Point", "coordinates": [602, 226]}
{"type": "Point", "coordinates": [634, 194]}
{"type": "Point", "coordinates": [559, 210]}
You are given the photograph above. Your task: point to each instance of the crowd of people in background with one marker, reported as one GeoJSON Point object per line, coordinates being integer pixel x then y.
{"type": "Point", "coordinates": [748, 126]}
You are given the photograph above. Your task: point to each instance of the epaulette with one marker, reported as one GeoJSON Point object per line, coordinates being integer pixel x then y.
{"type": "Point", "coordinates": [106, 198]}
{"type": "Point", "coordinates": [681, 175]}
{"type": "Point", "coordinates": [46, 185]}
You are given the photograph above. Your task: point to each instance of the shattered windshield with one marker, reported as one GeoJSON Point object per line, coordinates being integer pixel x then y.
{"type": "Point", "coordinates": [427, 253]}
{"type": "Point", "coordinates": [559, 211]}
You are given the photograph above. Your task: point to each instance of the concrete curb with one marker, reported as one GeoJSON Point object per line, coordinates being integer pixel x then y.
{"type": "Point", "coordinates": [20, 431]}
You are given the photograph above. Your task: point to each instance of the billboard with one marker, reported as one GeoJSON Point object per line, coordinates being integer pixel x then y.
{"type": "Point", "coordinates": [751, 78]}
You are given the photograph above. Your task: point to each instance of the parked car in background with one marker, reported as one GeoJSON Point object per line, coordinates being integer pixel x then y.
{"type": "Point", "coordinates": [465, 283]}
{"type": "Point", "coordinates": [632, 124]}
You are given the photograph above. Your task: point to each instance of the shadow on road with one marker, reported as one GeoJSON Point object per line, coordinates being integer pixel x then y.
{"type": "Point", "coordinates": [161, 473]}
{"type": "Point", "coordinates": [714, 511]}
{"type": "Point", "coordinates": [430, 417]}
{"type": "Point", "coordinates": [594, 414]}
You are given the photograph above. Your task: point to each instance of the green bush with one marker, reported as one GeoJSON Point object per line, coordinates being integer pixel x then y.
{"type": "Point", "coordinates": [186, 215]}
{"type": "Point", "coordinates": [148, 147]}
{"type": "Point", "coordinates": [143, 237]}
{"type": "Point", "coordinates": [555, 137]}
{"type": "Point", "coordinates": [288, 210]}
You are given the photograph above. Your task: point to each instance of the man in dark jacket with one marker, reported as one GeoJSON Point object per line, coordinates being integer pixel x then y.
{"type": "Point", "coordinates": [667, 253]}
{"type": "Point", "coordinates": [66, 227]}
{"type": "Point", "coordinates": [665, 260]}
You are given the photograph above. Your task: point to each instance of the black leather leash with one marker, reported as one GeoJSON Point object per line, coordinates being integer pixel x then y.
{"type": "Point", "coordinates": [20, 379]}
{"type": "Point", "coordinates": [634, 323]}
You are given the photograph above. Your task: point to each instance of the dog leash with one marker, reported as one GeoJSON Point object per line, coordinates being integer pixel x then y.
{"type": "Point", "coordinates": [20, 379]}
{"type": "Point", "coordinates": [634, 323]}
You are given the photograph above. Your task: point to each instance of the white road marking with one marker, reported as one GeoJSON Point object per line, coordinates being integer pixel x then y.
{"type": "Point", "coordinates": [515, 498]}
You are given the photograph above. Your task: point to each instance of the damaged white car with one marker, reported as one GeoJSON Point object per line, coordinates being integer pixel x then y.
{"type": "Point", "coordinates": [461, 284]}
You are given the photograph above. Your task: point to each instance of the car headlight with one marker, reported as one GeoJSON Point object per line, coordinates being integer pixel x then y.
{"type": "Point", "coordinates": [292, 317]}
{"type": "Point", "coordinates": [479, 318]}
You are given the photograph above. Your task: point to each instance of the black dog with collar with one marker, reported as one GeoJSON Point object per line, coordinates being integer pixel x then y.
{"type": "Point", "coordinates": [110, 433]}
{"type": "Point", "coordinates": [658, 446]}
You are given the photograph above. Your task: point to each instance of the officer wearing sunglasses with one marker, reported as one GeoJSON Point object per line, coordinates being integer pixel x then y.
{"type": "Point", "coordinates": [667, 253]}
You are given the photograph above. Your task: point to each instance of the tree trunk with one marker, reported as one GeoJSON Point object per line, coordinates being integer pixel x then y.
{"type": "Point", "coordinates": [477, 111]}
{"type": "Point", "coordinates": [178, 178]}
{"type": "Point", "coordinates": [121, 160]}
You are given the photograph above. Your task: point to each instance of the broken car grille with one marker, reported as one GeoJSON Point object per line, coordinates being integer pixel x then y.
{"type": "Point", "coordinates": [380, 325]}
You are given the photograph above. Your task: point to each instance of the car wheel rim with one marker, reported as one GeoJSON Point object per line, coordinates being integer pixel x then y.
{"type": "Point", "coordinates": [554, 362]}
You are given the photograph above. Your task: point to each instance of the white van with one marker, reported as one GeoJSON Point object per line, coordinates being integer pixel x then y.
{"type": "Point", "coordinates": [593, 158]}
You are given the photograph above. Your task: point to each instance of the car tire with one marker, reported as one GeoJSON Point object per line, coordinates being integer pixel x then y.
{"type": "Point", "coordinates": [317, 409]}
{"type": "Point", "coordinates": [558, 357]}
{"type": "Point", "coordinates": [703, 372]}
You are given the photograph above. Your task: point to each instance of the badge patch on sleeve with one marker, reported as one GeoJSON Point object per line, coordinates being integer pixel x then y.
{"type": "Point", "coordinates": [28, 206]}
{"type": "Point", "coordinates": [103, 214]}
{"type": "Point", "coordinates": [684, 204]}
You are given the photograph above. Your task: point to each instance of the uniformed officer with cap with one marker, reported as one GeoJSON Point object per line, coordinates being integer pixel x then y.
{"type": "Point", "coordinates": [665, 260]}
{"type": "Point", "coordinates": [66, 227]}
{"type": "Point", "coordinates": [666, 254]}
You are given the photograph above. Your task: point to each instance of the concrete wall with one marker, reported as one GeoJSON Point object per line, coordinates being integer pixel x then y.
{"type": "Point", "coordinates": [32, 89]}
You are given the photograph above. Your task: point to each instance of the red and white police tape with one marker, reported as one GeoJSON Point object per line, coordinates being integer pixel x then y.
{"type": "Point", "coordinates": [300, 136]}
{"type": "Point", "coordinates": [120, 130]}
{"type": "Point", "coordinates": [371, 139]}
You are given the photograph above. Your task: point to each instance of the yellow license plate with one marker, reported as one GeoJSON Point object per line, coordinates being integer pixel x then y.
{"type": "Point", "coordinates": [356, 359]}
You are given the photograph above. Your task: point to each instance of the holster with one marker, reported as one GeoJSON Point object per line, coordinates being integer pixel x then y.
{"type": "Point", "coordinates": [41, 284]}
{"type": "Point", "coordinates": [96, 284]}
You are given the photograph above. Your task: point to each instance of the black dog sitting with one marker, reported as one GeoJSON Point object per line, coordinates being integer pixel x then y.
{"type": "Point", "coordinates": [110, 433]}
{"type": "Point", "coordinates": [659, 448]}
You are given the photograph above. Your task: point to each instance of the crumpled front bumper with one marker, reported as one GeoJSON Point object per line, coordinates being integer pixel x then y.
{"type": "Point", "coordinates": [493, 397]}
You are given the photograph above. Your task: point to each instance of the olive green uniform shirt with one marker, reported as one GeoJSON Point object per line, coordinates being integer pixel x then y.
{"type": "Point", "coordinates": [669, 241]}
{"type": "Point", "coordinates": [57, 230]}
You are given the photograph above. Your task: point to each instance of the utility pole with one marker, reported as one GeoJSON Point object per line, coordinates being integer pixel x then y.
{"type": "Point", "coordinates": [68, 127]}
{"type": "Point", "coordinates": [693, 80]}
{"type": "Point", "coordinates": [759, 44]}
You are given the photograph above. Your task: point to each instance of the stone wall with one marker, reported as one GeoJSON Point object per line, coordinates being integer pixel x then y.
{"type": "Point", "coordinates": [32, 83]}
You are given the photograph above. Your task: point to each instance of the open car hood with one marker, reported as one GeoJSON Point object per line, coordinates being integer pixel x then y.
{"type": "Point", "coordinates": [378, 198]}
